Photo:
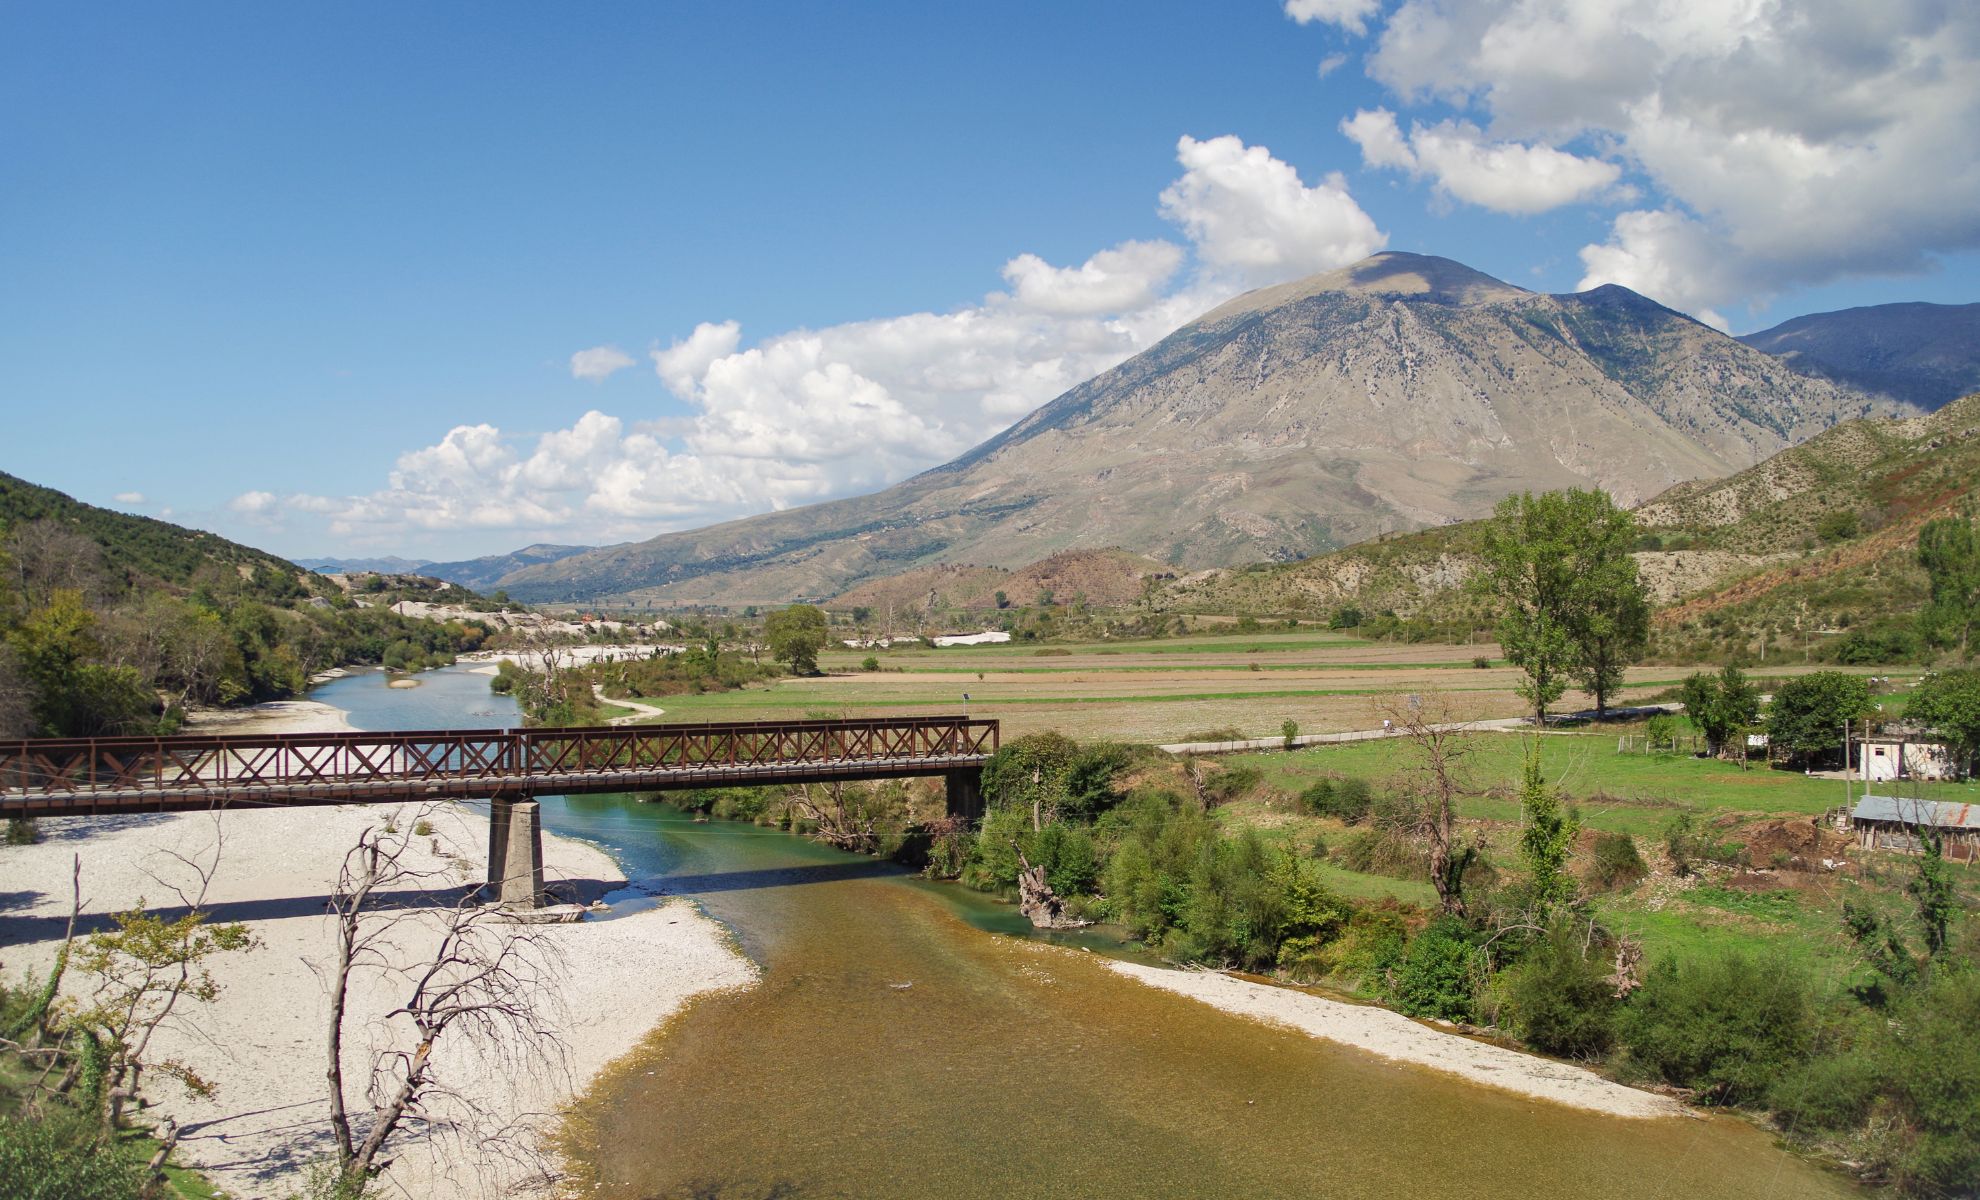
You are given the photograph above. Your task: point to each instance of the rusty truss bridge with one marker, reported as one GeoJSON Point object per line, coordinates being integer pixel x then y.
{"type": "Point", "coordinates": [510, 768]}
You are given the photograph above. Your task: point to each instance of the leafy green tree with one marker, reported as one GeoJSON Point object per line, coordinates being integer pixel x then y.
{"type": "Point", "coordinates": [1949, 702]}
{"type": "Point", "coordinates": [75, 695]}
{"type": "Point", "coordinates": [1949, 550]}
{"type": "Point", "coordinates": [1720, 706]}
{"type": "Point", "coordinates": [796, 635]}
{"type": "Point", "coordinates": [1439, 973]}
{"type": "Point", "coordinates": [1570, 605]}
{"type": "Point", "coordinates": [1612, 631]}
{"type": "Point", "coordinates": [1933, 892]}
{"type": "Point", "coordinates": [1031, 773]}
{"type": "Point", "coordinates": [1548, 837]}
{"type": "Point", "coordinates": [1808, 711]}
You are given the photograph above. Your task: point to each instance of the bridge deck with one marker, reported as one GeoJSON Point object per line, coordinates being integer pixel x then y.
{"type": "Point", "coordinates": [51, 777]}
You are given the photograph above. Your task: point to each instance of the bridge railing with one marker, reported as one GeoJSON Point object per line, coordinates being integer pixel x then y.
{"type": "Point", "coordinates": [226, 766]}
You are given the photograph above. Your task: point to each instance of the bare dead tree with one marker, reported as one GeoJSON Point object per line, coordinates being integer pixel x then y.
{"type": "Point", "coordinates": [1441, 745]}
{"type": "Point", "coordinates": [485, 983]}
{"type": "Point", "coordinates": [49, 555]}
{"type": "Point", "coordinates": [842, 819]}
{"type": "Point", "coordinates": [1039, 903]}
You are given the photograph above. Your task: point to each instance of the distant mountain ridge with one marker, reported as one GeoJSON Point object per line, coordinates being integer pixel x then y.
{"type": "Point", "coordinates": [1922, 354]}
{"type": "Point", "coordinates": [392, 565]}
{"type": "Point", "coordinates": [1402, 392]}
{"type": "Point", "coordinates": [482, 574]}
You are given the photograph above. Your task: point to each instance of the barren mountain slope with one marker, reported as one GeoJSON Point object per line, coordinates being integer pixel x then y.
{"type": "Point", "coordinates": [1399, 393]}
{"type": "Point", "coordinates": [1756, 539]}
{"type": "Point", "coordinates": [1107, 578]}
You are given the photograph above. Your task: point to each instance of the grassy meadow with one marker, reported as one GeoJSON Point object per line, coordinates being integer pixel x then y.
{"type": "Point", "coordinates": [1771, 895]}
{"type": "Point", "coordinates": [1219, 683]}
{"type": "Point", "coordinates": [1149, 691]}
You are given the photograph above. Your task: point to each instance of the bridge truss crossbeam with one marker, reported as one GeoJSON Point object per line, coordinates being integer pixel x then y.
{"type": "Point", "coordinates": [103, 776]}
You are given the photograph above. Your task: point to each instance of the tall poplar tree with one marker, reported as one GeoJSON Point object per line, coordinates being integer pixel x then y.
{"type": "Point", "coordinates": [1571, 606]}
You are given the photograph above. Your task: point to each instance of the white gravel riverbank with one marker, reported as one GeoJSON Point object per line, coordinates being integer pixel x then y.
{"type": "Point", "coordinates": [1394, 1036]}
{"type": "Point", "coordinates": [262, 1042]}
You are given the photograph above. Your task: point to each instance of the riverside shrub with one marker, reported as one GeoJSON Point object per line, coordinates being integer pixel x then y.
{"type": "Point", "coordinates": [1898, 1093]}
{"type": "Point", "coordinates": [1438, 974]}
{"type": "Point", "coordinates": [1556, 998]}
{"type": "Point", "coordinates": [1724, 1026]}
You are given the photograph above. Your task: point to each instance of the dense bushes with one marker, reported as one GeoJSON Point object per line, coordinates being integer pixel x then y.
{"type": "Point", "coordinates": [1725, 1027]}
{"type": "Point", "coordinates": [1345, 800]}
{"type": "Point", "coordinates": [1901, 1090]}
{"type": "Point", "coordinates": [1615, 862]}
{"type": "Point", "coordinates": [64, 1157]}
{"type": "Point", "coordinates": [1439, 973]}
{"type": "Point", "coordinates": [1558, 997]}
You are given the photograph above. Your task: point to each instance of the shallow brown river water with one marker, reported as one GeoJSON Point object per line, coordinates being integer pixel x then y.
{"type": "Point", "coordinates": [1011, 1067]}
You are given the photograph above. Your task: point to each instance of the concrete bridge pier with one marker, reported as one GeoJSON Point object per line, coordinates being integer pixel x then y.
{"type": "Point", "coordinates": [515, 852]}
{"type": "Point", "coordinates": [965, 792]}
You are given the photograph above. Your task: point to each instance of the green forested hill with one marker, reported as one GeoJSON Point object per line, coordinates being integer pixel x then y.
{"type": "Point", "coordinates": [115, 624]}
{"type": "Point", "coordinates": [130, 544]}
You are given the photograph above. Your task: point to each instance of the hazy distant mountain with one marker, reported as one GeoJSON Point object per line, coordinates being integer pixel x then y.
{"type": "Point", "coordinates": [482, 574]}
{"type": "Point", "coordinates": [345, 566]}
{"type": "Point", "coordinates": [1924, 354]}
{"type": "Point", "coordinates": [1402, 392]}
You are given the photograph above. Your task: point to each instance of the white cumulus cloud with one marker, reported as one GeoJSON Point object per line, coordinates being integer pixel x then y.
{"type": "Point", "coordinates": [599, 363]}
{"type": "Point", "coordinates": [129, 497]}
{"type": "Point", "coordinates": [680, 365]}
{"type": "Point", "coordinates": [1351, 15]}
{"type": "Point", "coordinates": [1785, 145]}
{"type": "Point", "coordinates": [1507, 177]}
{"type": "Point", "coordinates": [1250, 215]}
{"type": "Point", "coordinates": [1129, 276]}
{"type": "Point", "coordinates": [810, 414]}
{"type": "Point", "coordinates": [254, 504]}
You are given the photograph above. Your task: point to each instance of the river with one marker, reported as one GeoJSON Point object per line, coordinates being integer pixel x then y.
{"type": "Point", "coordinates": [903, 1042]}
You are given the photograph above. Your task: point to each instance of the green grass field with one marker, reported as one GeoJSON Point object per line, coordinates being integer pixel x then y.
{"type": "Point", "coordinates": [1148, 690]}
{"type": "Point", "coordinates": [1615, 791]}
{"type": "Point", "coordinates": [1165, 690]}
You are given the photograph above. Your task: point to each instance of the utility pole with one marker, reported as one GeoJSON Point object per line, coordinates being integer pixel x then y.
{"type": "Point", "coordinates": [1848, 799]}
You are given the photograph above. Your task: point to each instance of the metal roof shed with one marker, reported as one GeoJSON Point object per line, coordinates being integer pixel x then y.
{"type": "Point", "coordinates": [1891, 822]}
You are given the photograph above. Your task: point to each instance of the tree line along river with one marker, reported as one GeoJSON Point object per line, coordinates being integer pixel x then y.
{"type": "Point", "coordinates": [913, 1039]}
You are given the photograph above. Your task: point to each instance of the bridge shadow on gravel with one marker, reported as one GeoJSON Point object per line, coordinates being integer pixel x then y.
{"type": "Point", "coordinates": [17, 930]}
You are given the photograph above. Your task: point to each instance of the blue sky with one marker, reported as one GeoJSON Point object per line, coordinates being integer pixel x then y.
{"type": "Point", "coordinates": [314, 278]}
